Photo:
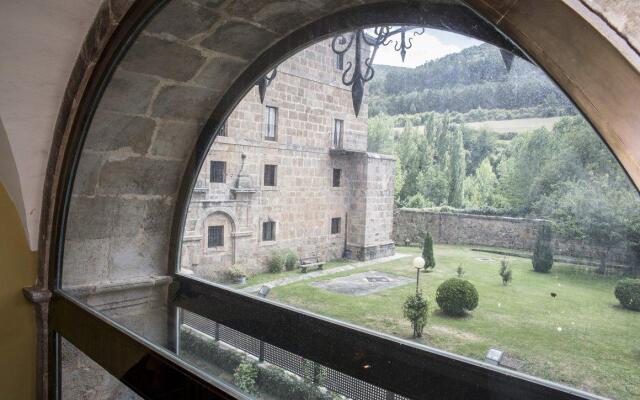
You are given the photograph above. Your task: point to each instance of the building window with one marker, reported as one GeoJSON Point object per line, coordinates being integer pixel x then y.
{"type": "Point", "coordinates": [340, 61]}
{"type": "Point", "coordinates": [223, 129]}
{"type": "Point", "coordinates": [336, 177]}
{"type": "Point", "coordinates": [272, 124]}
{"type": "Point", "coordinates": [337, 133]}
{"type": "Point", "coordinates": [216, 236]}
{"type": "Point", "coordinates": [218, 171]}
{"type": "Point", "coordinates": [335, 225]}
{"type": "Point", "coordinates": [268, 231]}
{"type": "Point", "coordinates": [270, 175]}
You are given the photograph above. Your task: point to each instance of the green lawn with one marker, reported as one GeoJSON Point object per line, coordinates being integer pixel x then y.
{"type": "Point", "coordinates": [581, 337]}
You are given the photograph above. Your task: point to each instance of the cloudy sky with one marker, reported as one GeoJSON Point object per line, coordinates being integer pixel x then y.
{"type": "Point", "coordinates": [432, 44]}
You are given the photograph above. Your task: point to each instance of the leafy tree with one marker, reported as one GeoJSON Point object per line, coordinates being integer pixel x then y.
{"type": "Point", "coordinates": [427, 252]}
{"type": "Point", "coordinates": [543, 251]}
{"type": "Point", "coordinates": [416, 310]}
{"type": "Point", "coordinates": [456, 171]}
{"type": "Point", "coordinates": [480, 189]}
{"type": "Point", "coordinates": [380, 134]}
{"type": "Point", "coordinates": [417, 201]}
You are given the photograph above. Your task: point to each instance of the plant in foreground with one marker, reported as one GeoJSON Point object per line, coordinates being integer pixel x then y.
{"type": "Point", "coordinates": [245, 376]}
{"type": "Point", "coordinates": [416, 310]}
{"type": "Point", "coordinates": [456, 296]}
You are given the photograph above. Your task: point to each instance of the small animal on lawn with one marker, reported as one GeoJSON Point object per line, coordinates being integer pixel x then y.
{"type": "Point", "coordinates": [553, 295]}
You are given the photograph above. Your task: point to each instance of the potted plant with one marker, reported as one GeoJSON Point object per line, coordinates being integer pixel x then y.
{"type": "Point", "coordinates": [237, 274]}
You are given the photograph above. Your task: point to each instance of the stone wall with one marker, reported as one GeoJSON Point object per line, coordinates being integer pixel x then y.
{"type": "Point", "coordinates": [493, 231]}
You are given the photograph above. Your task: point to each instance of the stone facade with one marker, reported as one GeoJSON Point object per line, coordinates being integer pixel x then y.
{"type": "Point", "coordinates": [309, 97]}
{"type": "Point", "coordinates": [483, 230]}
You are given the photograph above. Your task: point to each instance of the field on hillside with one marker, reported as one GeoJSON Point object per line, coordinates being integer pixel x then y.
{"type": "Point", "coordinates": [515, 125]}
{"type": "Point", "coordinates": [580, 337]}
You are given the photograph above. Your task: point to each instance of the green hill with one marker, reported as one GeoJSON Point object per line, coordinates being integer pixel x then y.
{"type": "Point", "coordinates": [470, 79]}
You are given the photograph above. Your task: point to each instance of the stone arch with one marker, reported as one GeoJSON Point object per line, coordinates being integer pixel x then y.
{"type": "Point", "coordinates": [114, 183]}
{"type": "Point", "coordinates": [199, 253]}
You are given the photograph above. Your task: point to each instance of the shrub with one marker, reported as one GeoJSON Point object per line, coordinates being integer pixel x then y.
{"type": "Point", "coordinates": [276, 382]}
{"type": "Point", "coordinates": [290, 260]}
{"type": "Point", "coordinates": [460, 272]}
{"type": "Point", "coordinates": [543, 251]}
{"type": "Point", "coordinates": [628, 293]}
{"type": "Point", "coordinates": [275, 263]}
{"type": "Point", "coordinates": [416, 310]}
{"type": "Point", "coordinates": [245, 376]}
{"type": "Point", "coordinates": [427, 252]}
{"type": "Point", "coordinates": [236, 271]}
{"type": "Point", "coordinates": [505, 272]}
{"type": "Point", "coordinates": [314, 372]}
{"type": "Point", "coordinates": [455, 296]}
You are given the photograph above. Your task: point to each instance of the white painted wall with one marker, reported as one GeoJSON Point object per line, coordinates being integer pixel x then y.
{"type": "Point", "coordinates": [39, 43]}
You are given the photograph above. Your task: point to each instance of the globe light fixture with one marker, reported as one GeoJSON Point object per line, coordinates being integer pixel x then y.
{"type": "Point", "coordinates": [418, 264]}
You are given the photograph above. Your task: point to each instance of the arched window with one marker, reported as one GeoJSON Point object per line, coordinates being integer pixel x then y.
{"type": "Point", "coordinates": [475, 234]}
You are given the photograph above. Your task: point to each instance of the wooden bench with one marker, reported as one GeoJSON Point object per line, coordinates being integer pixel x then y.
{"type": "Point", "coordinates": [311, 262]}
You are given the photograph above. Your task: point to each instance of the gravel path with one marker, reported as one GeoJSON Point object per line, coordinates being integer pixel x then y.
{"type": "Point", "coordinates": [315, 274]}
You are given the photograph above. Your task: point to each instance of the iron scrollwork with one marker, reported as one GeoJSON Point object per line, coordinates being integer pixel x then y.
{"type": "Point", "coordinates": [264, 82]}
{"type": "Point", "coordinates": [365, 44]}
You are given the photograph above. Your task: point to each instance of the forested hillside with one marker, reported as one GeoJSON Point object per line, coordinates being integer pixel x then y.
{"type": "Point", "coordinates": [474, 78]}
{"type": "Point", "coordinates": [519, 162]}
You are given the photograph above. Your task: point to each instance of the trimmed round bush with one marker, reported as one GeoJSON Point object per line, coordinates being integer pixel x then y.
{"type": "Point", "coordinates": [628, 293]}
{"type": "Point", "coordinates": [290, 260]}
{"type": "Point", "coordinates": [275, 263]}
{"type": "Point", "coordinates": [456, 296]}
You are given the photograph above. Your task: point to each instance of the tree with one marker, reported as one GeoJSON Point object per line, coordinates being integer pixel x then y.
{"type": "Point", "coordinates": [380, 134]}
{"type": "Point", "coordinates": [543, 251]}
{"type": "Point", "coordinates": [456, 171]}
{"type": "Point", "coordinates": [427, 252]}
{"type": "Point", "coordinates": [416, 310]}
{"type": "Point", "coordinates": [480, 189]}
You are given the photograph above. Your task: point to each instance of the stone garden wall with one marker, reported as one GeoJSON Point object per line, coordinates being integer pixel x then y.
{"type": "Point", "coordinates": [494, 231]}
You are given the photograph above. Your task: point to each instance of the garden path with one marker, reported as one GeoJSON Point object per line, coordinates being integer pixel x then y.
{"type": "Point", "coordinates": [315, 274]}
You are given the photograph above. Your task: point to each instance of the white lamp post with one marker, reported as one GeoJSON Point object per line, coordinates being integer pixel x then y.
{"type": "Point", "coordinates": [418, 264]}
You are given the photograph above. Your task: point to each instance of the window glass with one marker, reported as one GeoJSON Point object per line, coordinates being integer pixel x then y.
{"type": "Point", "coordinates": [335, 225]}
{"type": "Point", "coordinates": [218, 171]}
{"type": "Point", "coordinates": [268, 231]}
{"type": "Point", "coordinates": [216, 236]}
{"type": "Point", "coordinates": [272, 123]}
{"type": "Point", "coordinates": [223, 129]}
{"type": "Point", "coordinates": [475, 162]}
{"type": "Point", "coordinates": [337, 133]}
{"type": "Point", "coordinates": [336, 177]}
{"type": "Point", "coordinates": [270, 175]}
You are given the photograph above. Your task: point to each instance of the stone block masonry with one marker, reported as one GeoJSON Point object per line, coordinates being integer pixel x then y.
{"type": "Point", "coordinates": [494, 231]}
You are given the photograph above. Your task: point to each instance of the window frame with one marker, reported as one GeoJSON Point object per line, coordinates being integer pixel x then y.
{"type": "Point", "coordinates": [336, 179]}
{"type": "Point", "coordinates": [268, 235]}
{"type": "Point", "coordinates": [273, 181]}
{"type": "Point", "coordinates": [338, 135]}
{"type": "Point", "coordinates": [336, 224]}
{"type": "Point", "coordinates": [271, 110]}
{"type": "Point", "coordinates": [213, 174]}
{"type": "Point", "coordinates": [62, 305]}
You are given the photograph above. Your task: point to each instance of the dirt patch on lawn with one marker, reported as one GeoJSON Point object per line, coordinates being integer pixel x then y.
{"type": "Point", "coordinates": [445, 330]}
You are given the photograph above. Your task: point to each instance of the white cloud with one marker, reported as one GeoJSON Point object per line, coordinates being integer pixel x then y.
{"type": "Point", "coordinates": [425, 47]}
